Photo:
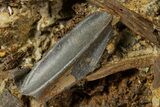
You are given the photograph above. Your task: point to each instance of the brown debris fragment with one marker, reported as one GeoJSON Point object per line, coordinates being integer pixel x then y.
{"type": "Point", "coordinates": [132, 20]}
{"type": "Point", "coordinates": [121, 65]}
{"type": "Point", "coordinates": [11, 61]}
{"type": "Point", "coordinates": [2, 53]}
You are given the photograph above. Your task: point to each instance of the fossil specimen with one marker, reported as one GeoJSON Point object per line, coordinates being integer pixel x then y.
{"type": "Point", "coordinates": [78, 53]}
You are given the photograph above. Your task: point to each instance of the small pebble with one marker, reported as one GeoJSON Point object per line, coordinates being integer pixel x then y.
{"type": "Point", "coordinates": [2, 53]}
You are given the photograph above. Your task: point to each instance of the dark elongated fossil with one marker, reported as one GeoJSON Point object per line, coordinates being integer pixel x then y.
{"type": "Point", "coordinates": [76, 54]}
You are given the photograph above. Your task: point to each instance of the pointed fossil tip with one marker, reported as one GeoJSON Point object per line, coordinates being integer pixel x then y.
{"type": "Point", "coordinates": [26, 89]}
{"type": "Point", "coordinates": [23, 90]}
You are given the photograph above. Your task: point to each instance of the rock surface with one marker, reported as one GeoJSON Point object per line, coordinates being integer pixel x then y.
{"type": "Point", "coordinates": [29, 28]}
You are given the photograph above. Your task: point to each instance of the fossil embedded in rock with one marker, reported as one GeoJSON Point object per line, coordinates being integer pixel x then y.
{"type": "Point", "coordinates": [77, 54]}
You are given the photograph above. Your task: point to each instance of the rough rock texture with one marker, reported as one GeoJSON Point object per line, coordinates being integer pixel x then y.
{"type": "Point", "coordinates": [9, 100]}
{"type": "Point", "coordinates": [29, 28]}
{"type": "Point", "coordinates": [23, 19]}
{"type": "Point", "coordinates": [149, 9]}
